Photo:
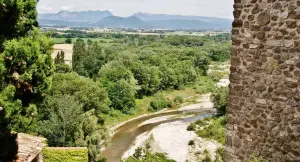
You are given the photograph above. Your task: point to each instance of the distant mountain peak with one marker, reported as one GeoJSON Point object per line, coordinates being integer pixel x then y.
{"type": "Point", "coordinates": [138, 20]}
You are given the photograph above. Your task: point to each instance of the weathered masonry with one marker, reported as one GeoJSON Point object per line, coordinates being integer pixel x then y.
{"type": "Point", "coordinates": [264, 103]}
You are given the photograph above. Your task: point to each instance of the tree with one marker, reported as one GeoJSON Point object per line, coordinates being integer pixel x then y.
{"type": "Point", "coordinates": [220, 100]}
{"type": "Point", "coordinates": [63, 116]}
{"type": "Point", "coordinates": [28, 67]}
{"type": "Point", "coordinates": [149, 79]}
{"type": "Point", "coordinates": [91, 134]}
{"type": "Point", "coordinates": [149, 157]}
{"type": "Point", "coordinates": [60, 58]}
{"type": "Point", "coordinates": [94, 60]}
{"type": "Point", "coordinates": [79, 53]}
{"type": "Point", "coordinates": [17, 18]}
{"type": "Point", "coordinates": [68, 41]}
{"type": "Point", "coordinates": [62, 68]}
{"type": "Point", "coordinates": [122, 95]}
{"type": "Point", "coordinates": [86, 91]}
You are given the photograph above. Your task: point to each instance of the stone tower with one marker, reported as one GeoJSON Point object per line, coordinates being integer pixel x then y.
{"type": "Point", "coordinates": [264, 102]}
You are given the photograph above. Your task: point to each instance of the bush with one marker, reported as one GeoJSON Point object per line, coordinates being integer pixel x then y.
{"type": "Point", "coordinates": [207, 157]}
{"type": "Point", "coordinates": [220, 99]}
{"type": "Point", "coordinates": [191, 127]}
{"type": "Point", "coordinates": [62, 68]}
{"type": "Point", "coordinates": [178, 100]}
{"type": "Point", "coordinates": [68, 41]}
{"type": "Point", "coordinates": [65, 155]}
{"type": "Point", "coordinates": [191, 142]}
{"type": "Point", "coordinates": [215, 129]}
{"type": "Point", "coordinates": [159, 102]}
{"type": "Point", "coordinates": [254, 158]}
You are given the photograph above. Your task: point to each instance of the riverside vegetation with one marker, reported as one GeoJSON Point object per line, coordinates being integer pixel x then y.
{"type": "Point", "coordinates": [106, 84]}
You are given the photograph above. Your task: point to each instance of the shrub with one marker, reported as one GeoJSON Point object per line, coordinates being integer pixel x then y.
{"type": "Point", "coordinates": [62, 68]}
{"type": "Point", "coordinates": [215, 129]}
{"type": "Point", "coordinates": [159, 102]}
{"type": "Point", "coordinates": [65, 155]}
{"type": "Point", "coordinates": [191, 127]}
{"type": "Point", "coordinates": [220, 100]}
{"type": "Point", "coordinates": [191, 142]}
{"type": "Point", "coordinates": [178, 100]}
{"type": "Point", "coordinates": [68, 41]}
{"type": "Point", "coordinates": [254, 158]}
{"type": "Point", "coordinates": [207, 157]}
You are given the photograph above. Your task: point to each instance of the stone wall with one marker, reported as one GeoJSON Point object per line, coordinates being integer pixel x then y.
{"type": "Point", "coordinates": [264, 102]}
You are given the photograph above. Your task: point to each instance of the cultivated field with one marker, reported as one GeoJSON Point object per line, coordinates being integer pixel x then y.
{"type": "Point", "coordinates": [103, 42]}
{"type": "Point", "coordinates": [67, 48]}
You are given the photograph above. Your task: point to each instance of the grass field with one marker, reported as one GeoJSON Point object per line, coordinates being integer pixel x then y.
{"type": "Point", "coordinates": [104, 42]}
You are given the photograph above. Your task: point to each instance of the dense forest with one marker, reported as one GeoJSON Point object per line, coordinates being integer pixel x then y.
{"type": "Point", "coordinates": [106, 81]}
{"type": "Point", "coordinates": [70, 105]}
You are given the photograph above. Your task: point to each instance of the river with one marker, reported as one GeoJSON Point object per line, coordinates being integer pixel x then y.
{"type": "Point", "coordinates": [127, 133]}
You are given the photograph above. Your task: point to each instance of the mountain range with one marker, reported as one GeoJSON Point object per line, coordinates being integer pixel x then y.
{"type": "Point", "coordinates": [106, 19]}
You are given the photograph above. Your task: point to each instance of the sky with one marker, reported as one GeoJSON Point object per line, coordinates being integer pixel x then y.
{"type": "Point", "coordinates": [213, 8]}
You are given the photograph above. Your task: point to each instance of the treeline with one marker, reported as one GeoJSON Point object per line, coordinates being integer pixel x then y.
{"type": "Point", "coordinates": [129, 72]}
{"type": "Point", "coordinates": [70, 105]}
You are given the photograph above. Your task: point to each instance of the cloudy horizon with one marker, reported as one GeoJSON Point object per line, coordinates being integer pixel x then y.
{"type": "Point", "coordinates": [211, 8]}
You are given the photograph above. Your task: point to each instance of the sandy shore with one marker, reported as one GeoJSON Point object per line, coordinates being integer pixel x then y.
{"type": "Point", "coordinates": [171, 138]}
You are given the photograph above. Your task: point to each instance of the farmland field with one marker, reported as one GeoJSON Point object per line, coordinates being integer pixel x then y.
{"type": "Point", "coordinates": [103, 42]}
{"type": "Point", "coordinates": [67, 48]}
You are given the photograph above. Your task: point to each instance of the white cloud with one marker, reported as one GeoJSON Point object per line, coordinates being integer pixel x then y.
{"type": "Point", "coordinates": [66, 7]}
{"type": "Point", "coordinates": [45, 8]}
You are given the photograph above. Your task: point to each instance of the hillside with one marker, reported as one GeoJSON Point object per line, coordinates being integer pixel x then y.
{"type": "Point", "coordinates": [105, 19]}
{"type": "Point", "coordinates": [81, 16]}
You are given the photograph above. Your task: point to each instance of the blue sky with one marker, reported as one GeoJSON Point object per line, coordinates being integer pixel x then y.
{"type": "Point", "coordinates": [214, 8]}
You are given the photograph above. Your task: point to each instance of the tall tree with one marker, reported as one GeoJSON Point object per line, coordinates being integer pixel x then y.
{"type": "Point", "coordinates": [60, 57]}
{"type": "Point", "coordinates": [27, 66]}
{"type": "Point", "coordinates": [79, 53]}
{"type": "Point", "coordinates": [17, 17]}
{"type": "Point", "coordinates": [63, 119]}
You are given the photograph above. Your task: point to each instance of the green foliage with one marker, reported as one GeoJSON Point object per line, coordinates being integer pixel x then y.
{"type": "Point", "coordinates": [65, 155]}
{"type": "Point", "coordinates": [159, 102]}
{"type": "Point", "coordinates": [120, 85]}
{"type": "Point", "coordinates": [216, 76]}
{"type": "Point", "coordinates": [79, 53]}
{"type": "Point", "coordinates": [149, 78]}
{"type": "Point", "coordinates": [191, 142]}
{"type": "Point", "coordinates": [191, 127]}
{"type": "Point", "coordinates": [89, 93]}
{"type": "Point", "coordinates": [214, 129]}
{"type": "Point", "coordinates": [148, 157]}
{"type": "Point", "coordinates": [89, 130]}
{"type": "Point", "coordinates": [91, 134]}
{"type": "Point", "coordinates": [62, 68]}
{"type": "Point", "coordinates": [60, 58]}
{"type": "Point", "coordinates": [207, 157]}
{"type": "Point", "coordinates": [26, 68]}
{"type": "Point", "coordinates": [138, 153]}
{"type": "Point", "coordinates": [219, 52]}
{"type": "Point", "coordinates": [17, 18]}
{"type": "Point", "coordinates": [61, 118]}
{"type": "Point", "coordinates": [220, 99]}
{"type": "Point", "coordinates": [122, 97]}
{"type": "Point", "coordinates": [204, 85]}
{"type": "Point", "coordinates": [178, 99]}
{"type": "Point", "coordinates": [254, 158]}
{"type": "Point", "coordinates": [219, 154]}
{"type": "Point", "coordinates": [68, 41]}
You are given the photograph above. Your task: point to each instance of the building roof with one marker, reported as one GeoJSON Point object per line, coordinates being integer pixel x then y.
{"type": "Point", "coordinates": [29, 147]}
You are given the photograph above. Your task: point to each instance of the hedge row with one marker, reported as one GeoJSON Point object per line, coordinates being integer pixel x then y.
{"type": "Point", "coordinates": [65, 154]}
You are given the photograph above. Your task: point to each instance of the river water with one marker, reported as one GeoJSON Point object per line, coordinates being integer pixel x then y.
{"type": "Point", "coordinates": [127, 133]}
